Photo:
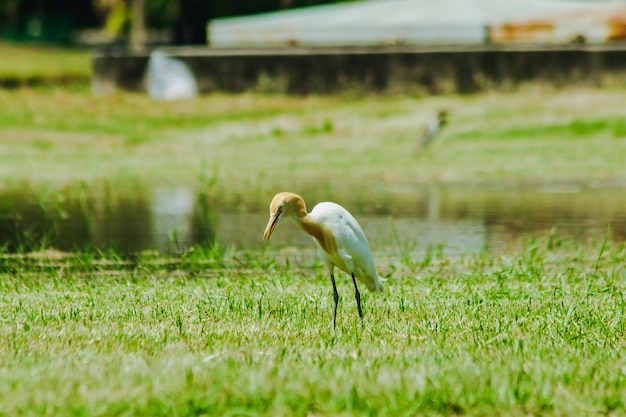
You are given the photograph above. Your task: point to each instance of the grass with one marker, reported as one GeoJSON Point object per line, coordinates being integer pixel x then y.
{"type": "Point", "coordinates": [224, 331]}
{"type": "Point", "coordinates": [539, 331]}
{"type": "Point", "coordinates": [43, 63]}
{"type": "Point", "coordinates": [256, 144]}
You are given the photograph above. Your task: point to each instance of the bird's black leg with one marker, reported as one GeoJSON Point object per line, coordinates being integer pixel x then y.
{"type": "Point", "coordinates": [336, 298]}
{"type": "Point", "coordinates": [357, 295]}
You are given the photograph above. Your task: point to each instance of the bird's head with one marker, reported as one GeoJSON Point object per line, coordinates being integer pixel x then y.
{"type": "Point", "coordinates": [283, 205]}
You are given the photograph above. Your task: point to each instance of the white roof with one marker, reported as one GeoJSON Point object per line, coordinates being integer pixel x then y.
{"type": "Point", "coordinates": [370, 22]}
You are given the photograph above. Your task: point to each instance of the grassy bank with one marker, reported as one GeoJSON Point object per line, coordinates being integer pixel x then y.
{"type": "Point", "coordinates": [248, 146]}
{"type": "Point", "coordinates": [43, 65]}
{"type": "Point", "coordinates": [535, 332]}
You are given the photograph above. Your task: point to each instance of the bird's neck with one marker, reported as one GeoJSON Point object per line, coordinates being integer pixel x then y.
{"type": "Point", "coordinates": [320, 232]}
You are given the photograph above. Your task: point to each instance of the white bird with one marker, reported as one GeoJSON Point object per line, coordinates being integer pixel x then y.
{"type": "Point", "coordinates": [432, 129]}
{"type": "Point", "coordinates": [340, 241]}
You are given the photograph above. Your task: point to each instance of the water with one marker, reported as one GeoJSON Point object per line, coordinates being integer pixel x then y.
{"type": "Point", "coordinates": [457, 220]}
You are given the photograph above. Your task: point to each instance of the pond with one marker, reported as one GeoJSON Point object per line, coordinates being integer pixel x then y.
{"type": "Point", "coordinates": [456, 220]}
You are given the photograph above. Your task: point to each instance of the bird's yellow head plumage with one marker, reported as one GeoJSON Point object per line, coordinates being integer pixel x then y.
{"type": "Point", "coordinates": [284, 205]}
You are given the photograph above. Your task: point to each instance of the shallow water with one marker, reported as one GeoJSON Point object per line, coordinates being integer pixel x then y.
{"type": "Point", "coordinates": [458, 220]}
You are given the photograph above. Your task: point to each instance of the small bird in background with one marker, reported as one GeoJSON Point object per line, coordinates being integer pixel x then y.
{"type": "Point", "coordinates": [432, 129]}
{"type": "Point", "coordinates": [340, 241]}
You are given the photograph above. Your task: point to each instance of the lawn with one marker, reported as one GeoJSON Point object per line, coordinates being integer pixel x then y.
{"type": "Point", "coordinates": [224, 331]}
{"type": "Point", "coordinates": [26, 62]}
{"type": "Point", "coordinates": [249, 146]}
{"type": "Point", "coordinates": [535, 332]}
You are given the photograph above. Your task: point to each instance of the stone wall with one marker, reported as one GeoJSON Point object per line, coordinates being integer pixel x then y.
{"type": "Point", "coordinates": [421, 70]}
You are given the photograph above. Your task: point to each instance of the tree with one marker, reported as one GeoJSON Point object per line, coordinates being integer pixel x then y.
{"type": "Point", "coordinates": [190, 27]}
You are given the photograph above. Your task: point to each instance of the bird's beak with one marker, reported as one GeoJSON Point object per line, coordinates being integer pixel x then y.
{"type": "Point", "coordinates": [271, 225]}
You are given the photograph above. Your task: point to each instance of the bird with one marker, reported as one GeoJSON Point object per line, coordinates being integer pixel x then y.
{"type": "Point", "coordinates": [432, 129]}
{"type": "Point", "coordinates": [339, 239]}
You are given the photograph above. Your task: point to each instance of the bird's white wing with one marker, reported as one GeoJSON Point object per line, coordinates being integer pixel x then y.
{"type": "Point", "coordinates": [354, 251]}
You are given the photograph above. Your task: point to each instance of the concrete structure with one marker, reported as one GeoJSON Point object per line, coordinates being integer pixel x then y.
{"type": "Point", "coordinates": [425, 22]}
{"type": "Point", "coordinates": [479, 44]}
{"type": "Point", "coordinates": [413, 69]}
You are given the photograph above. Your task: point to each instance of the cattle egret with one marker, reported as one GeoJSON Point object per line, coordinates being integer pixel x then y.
{"type": "Point", "coordinates": [432, 129]}
{"type": "Point", "coordinates": [340, 241]}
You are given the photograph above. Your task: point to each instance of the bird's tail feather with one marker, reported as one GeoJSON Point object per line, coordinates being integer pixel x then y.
{"type": "Point", "coordinates": [380, 284]}
{"type": "Point", "coordinates": [373, 282]}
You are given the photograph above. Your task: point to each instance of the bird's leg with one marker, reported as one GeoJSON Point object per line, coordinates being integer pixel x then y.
{"type": "Point", "coordinates": [336, 298]}
{"type": "Point", "coordinates": [357, 295]}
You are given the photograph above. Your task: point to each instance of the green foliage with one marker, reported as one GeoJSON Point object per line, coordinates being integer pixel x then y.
{"type": "Point", "coordinates": [539, 331]}
{"type": "Point", "coordinates": [118, 20]}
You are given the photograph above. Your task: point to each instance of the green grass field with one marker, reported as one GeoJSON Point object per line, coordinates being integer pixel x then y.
{"type": "Point", "coordinates": [537, 332]}
{"type": "Point", "coordinates": [251, 145]}
{"type": "Point", "coordinates": [45, 64]}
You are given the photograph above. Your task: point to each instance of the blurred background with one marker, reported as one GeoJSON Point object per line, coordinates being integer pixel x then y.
{"type": "Point", "coordinates": [451, 126]}
{"type": "Point", "coordinates": [184, 22]}
{"type": "Point", "coordinates": [92, 22]}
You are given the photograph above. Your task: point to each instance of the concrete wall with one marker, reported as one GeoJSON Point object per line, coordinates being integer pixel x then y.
{"type": "Point", "coordinates": [371, 69]}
